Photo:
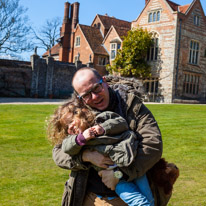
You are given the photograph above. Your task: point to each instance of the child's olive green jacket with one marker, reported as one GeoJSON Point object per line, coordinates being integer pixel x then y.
{"type": "Point", "coordinates": [118, 142]}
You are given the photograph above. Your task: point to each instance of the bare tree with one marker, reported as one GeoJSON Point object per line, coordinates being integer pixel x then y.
{"type": "Point", "coordinates": [46, 36]}
{"type": "Point", "coordinates": [14, 28]}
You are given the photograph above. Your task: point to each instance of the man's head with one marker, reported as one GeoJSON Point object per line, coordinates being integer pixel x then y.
{"type": "Point", "coordinates": [91, 88]}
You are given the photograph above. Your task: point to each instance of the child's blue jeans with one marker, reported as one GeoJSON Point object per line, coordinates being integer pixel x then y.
{"type": "Point", "coordinates": [135, 193]}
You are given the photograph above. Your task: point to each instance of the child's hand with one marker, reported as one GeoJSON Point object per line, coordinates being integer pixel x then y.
{"type": "Point", "coordinates": [89, 134]}
{"type": "Point", "coordinates": [98, 130]}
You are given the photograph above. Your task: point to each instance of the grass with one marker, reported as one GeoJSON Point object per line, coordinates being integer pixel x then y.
{"type": "Point", "coordinates": [30, 177]}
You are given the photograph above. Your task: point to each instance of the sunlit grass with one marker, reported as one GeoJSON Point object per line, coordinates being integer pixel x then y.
{"type": "Point", "coordinates": [30, 177]}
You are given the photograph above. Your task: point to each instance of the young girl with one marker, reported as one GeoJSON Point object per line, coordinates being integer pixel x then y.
{"type": "Point", "coordinates": [75, 127]}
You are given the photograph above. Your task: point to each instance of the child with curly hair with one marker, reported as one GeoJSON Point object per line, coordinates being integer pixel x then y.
{"type": "Point", "coordinates": [75, 126]}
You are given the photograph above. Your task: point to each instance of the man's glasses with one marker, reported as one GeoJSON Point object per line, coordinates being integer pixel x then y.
{"type": "Point", "coordinates": [97, 88]}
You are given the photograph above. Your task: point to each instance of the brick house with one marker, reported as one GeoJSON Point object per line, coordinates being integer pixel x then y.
{"type": "Point", "coordinates": [178, 56]}
{"type": "Point", "coordinates": [88, 43]}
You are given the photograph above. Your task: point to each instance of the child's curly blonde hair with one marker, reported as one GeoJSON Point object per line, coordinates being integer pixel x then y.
{"type": "Point", "coordinates": [57, 126]}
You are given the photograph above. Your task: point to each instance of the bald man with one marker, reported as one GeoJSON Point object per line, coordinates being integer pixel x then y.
{"type": "Point", "coordinates": [85, 186]}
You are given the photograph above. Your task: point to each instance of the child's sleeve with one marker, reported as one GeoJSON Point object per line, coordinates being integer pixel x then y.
{"type": "Point", "coordinates": [112, 123]}
{"type": "Point", "coordinates": [70, 146]}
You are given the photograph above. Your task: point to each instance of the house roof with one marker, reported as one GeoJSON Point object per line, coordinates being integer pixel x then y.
{"type": "Point", "coordinates": [184, 8]}
{"type": "Point", "coordinates": [94, 39]}
{"type": "Point", "coordinates": [121, 31]}
{"type": "Point", "coordinates": [173, 5]}
{"type": "Point", "coordinates": [177, 7]}
{"type": "Point", "coordinates": [108, 21]}
{"type": "Point", "coordinates": [54, 50]}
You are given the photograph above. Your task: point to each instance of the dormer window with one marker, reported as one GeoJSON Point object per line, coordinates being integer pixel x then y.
{"type": "Point", "coordinates": [196, 20]}
{"type": "Point", "coordinates": [77, 41]}
{"type": "Point", "coordinates": [154, 16]}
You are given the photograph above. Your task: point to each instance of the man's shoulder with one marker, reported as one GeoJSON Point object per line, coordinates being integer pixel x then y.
{"type": "Point", "coordinates": [128, 88]}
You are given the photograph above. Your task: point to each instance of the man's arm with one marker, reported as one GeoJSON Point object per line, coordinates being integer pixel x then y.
{"type": "Point", "coordinates": [150, 146]}
{"type": "Point", "coordinates": [65, 161]}
{"type": "Point", "coordinates": [81, 161]}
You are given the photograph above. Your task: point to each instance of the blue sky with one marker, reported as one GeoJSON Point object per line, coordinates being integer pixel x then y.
{"type": "Point", "coordinates": [41, 10]}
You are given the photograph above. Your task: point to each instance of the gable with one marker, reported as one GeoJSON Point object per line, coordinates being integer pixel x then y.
{"type": "Point", "coordinates": [166, 8]}
{"type": "Point", "coordinates": [94, 39]}
{"type": "Point", "coordinates": [195, 10]}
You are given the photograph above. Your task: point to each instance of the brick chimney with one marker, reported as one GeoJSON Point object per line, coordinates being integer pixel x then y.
{"type": "Point", "coordinates": [70, 20]}
{"type": "Point", "coordinates": [75, 17]}
{"type": "Point", "coordinates": [66, 12]}
{"type": "Point", "coordinates": [65, 34]}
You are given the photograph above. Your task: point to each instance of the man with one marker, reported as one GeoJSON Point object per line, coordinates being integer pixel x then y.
{"type": "Point", "coordinates": [85, 186]}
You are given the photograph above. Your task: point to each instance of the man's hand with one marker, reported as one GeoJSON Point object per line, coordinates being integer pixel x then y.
{"type": "Point", "coordinates": [108, 178]}
{"type": "Point", "coordinates": [96, 158]}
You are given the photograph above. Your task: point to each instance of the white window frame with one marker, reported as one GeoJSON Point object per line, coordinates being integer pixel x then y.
{"type": "Point", "coordinates": [77, 41]}
{"type": "Point", "coordinates": [154, 16]}
{"type": "Point", "coordinates": [113, 49]}
{"type": "Point", "coordinates": [196, 20]}
{"type": "Point", "coordinates": [194, 52]}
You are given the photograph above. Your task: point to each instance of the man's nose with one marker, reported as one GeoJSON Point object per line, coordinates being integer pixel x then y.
{"type": "Point", "coordinates": [94, 95]}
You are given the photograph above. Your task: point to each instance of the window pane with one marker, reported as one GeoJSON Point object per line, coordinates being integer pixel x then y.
{"type": "Point", "coordinates": [196, 57]}
{"type": "Point", "coordinates": [152, 87]}
{"type": "Point", "coordinates": [187, 88]}
{"type": "Point", "coordinates": [157, 42]}
{"type": "Point", "coordinates": [152, 53]}
{"type": "Point", "coordinates": [194, 89]}
{"type": "Point", "coordinates": [190, 60]}
{"type": "Point", "coordinates": [150, 17]}
{"type": "Point", "coordinates": [156, 86]}
{"type": "Point", "coordinates": [154, 16]}
{"type": "Point", "coordinates": [156, 52]}
{"type": "Point", "coordinates": [190, 89]}
{"type": "Point", "coordinates": [193, 57]}
{"type": "Point", "coordinates": [113, 46]}
{"type": "Point", "coordinates": [197, 91]}
{"type": "Point", "coordinates": [158, 15]}
{"type": "Point", "coordinates": [147, 87]}
{"type": "Point", "coordinates": [197, 45]}
{"type": "Point", "coordinates": [113, 54]}
{"type": "Point", "coordinates": [191, 43]}
{"type": "Point", "coordinates": [194, 45]}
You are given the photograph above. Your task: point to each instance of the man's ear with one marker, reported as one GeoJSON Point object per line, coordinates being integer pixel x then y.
{"type": "Point", "coordinates": [105, 81]}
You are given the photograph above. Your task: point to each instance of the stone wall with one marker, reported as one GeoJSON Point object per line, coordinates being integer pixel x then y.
{"type": "Point", "coordinates": [40, 78]}
{"type": "Point", "coordinates": [15, 78]}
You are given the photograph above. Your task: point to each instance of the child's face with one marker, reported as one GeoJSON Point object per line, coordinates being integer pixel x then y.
{"type": "Point", "coordinates": [74, 127]}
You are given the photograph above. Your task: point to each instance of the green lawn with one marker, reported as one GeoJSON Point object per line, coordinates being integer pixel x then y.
{"type": "Point", "coordinates": [29, 176]}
